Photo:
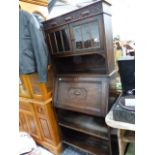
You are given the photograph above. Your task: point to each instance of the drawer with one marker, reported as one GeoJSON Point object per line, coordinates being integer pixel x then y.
{"type": "Point", "coordinates": [40, 109]}
{"type": "Point", "coordinates": [79, 14]}
{"type": "Point", "coordinates": [82, 94]}
{"type": "Point", "coordinates": [26, 106]}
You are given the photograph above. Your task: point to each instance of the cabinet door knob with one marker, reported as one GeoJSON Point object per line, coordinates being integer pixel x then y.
{"type": "Point", "coordinates": [77, 93]}
{"type": "Point", "coordinates": [54, 24]}
{"type": "Point", "coordinates": [85, 13]}
{"type": "Point", "coordinates": [68, 18]}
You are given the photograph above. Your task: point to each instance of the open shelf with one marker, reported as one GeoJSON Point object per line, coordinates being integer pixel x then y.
{"type": "Point", "coordinates": [84, 142]}
{"type": "Point", "coordinates": [79, 53]}
{"type": "Point", "coordinates": [94, 126]}
{"type": "Point", "coordinates": [81, 63]}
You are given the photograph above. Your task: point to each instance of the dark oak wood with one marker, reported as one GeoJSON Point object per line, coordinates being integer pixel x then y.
{"type": "Point", "coordinates": [85, 32]}
{"type": "Point", "coordinates": [84, 142]}
{"type": "Point", "coordinates": [94, 9]}
{"type": "Point", "coordinates": [87, 124]}
{"type": "Point", "coordinates": [81, 49]}
{"type": "Point", "coordinates": [82, 93]}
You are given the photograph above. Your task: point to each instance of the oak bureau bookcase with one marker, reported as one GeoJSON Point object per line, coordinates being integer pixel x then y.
{"type": "Point", "coordinates": [81, 47]}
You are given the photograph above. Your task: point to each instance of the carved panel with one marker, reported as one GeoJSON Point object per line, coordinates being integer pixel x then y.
{"type": "Point", "coordinates": [84, 12]}
{"type": "Point", "coordinates": [45, 128]}
{"type": "Point", "coordinates": [83, 94]}
{"type": "Point", "coordinates": [32, 124]}
{"type": "Point", "coordinates": [77, 93]}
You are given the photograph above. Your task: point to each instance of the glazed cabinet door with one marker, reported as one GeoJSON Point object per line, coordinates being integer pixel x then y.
{"type": "Point", "coordinates": [86, 34]}
{"type": "Point", "coordinates": [59, 40]}
{"type": "Point", "coordinates": [24, 86]}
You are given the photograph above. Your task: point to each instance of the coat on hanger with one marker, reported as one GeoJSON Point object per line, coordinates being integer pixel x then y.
{"type": "Point", "coordinates": [33, 53]}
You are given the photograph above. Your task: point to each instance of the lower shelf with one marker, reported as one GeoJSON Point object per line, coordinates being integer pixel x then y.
{"type": "Point", "coordinates": [85, 142]}
{"type": "Point", "coordinates": [91, 125]}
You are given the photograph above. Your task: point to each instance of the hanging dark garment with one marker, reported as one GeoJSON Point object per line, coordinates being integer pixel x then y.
{"type": "Point", "coordinates": [33, 53]}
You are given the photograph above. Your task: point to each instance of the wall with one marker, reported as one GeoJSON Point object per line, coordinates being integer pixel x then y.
{"type": "Point", "coordinates": [123, 18]}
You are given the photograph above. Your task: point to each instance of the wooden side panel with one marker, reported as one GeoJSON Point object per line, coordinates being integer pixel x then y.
{"type": "Point", "coordinates": [46, 129]}
{"type": "Point", "coordinates": [109, 42]}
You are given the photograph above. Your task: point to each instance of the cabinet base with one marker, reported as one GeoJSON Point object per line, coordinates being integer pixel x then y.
{"type": "Point", "coordinates": [56, 150]}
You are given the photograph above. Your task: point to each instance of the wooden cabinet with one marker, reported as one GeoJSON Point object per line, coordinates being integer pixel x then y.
{"type": "Point", "coordinates": [36, 113]}
{"type": "Point", "coordinates": [38, 119]}
{"type": "Point", "coordinates": [47, 121]}
{"type": "Point", "coordinates": [81, 47]}
{"type": "Point", "coordinates": [59, 40]}
{"type": "Point", "coordinates": [30, 87]}
{"type": "Point", "coordinates": [85, 31]}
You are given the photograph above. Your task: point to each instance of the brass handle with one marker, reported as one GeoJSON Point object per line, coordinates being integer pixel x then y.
{"type": "Point", "coordinates": [68, 18]}
{"type": "Point", "coordinates": [54, 24]}
{"type": "Point", "coordinates": [85, 13]}
{"type": "Point", "coordinates": [77, 93]}
{"type": "Point", "coordinates": [40, 110]}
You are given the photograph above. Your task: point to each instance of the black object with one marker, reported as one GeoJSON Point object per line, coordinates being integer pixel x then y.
{"type": "Point", "coordinates": [121, 112]}
{"type": "Point", "coordinates": [127, 75]}
{"type": "Point", "coordinates": [124, 113]}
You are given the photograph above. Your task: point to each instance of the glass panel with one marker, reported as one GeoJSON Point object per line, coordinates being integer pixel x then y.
{"type": "Point", "coordinates": [95, 34]}
{"type": "Point", "coordinates": [86, 35]}
{"type": "Point", "coordinates": [53, 43]}
{"type": "Point", "coordinates": [22, 88]}
{"type": "Point", "coordinates": [65, 40]}
{"type": "Point", "coordinates": [78, 37]}
{"type": "Point", "coordinates": [34, 83]}
{"type": "Point", "coordinates": [59, 42]}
